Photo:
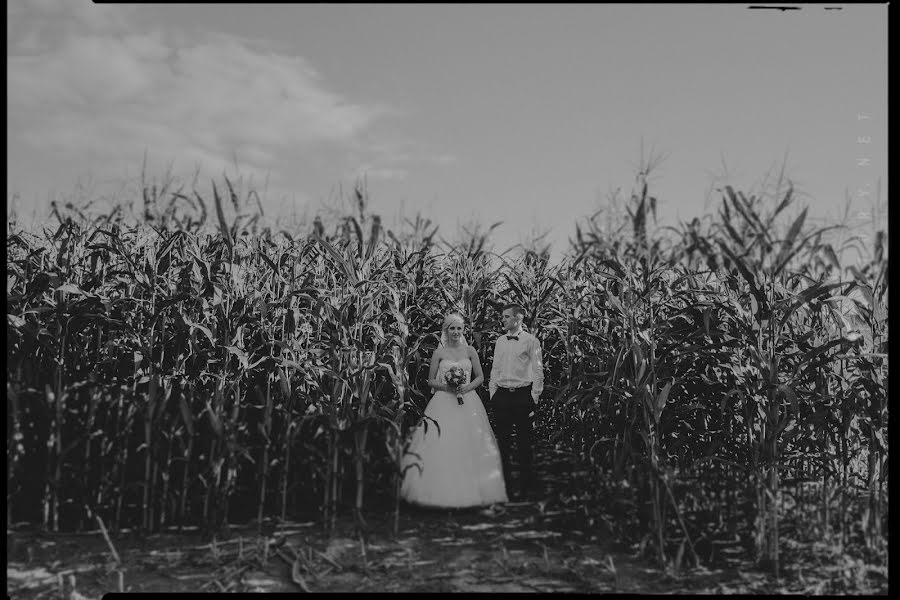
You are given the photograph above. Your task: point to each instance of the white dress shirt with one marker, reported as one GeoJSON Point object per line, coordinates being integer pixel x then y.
{"type": "Point", "coordinates": [517, 363]}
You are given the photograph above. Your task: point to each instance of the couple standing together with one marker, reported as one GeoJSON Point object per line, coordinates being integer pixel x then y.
{"type": "Point", "coordinates": [460, 463]}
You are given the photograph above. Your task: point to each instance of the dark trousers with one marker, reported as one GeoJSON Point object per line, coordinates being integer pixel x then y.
{"type": "Point", "coordinates": [512, 411]}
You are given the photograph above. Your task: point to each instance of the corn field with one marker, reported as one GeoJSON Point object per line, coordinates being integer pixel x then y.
{"type": "Point", "coordinates": [725, 380]}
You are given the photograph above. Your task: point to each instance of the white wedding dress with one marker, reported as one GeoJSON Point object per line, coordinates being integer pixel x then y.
{"type": "Point", "coordinates": [460, 466]}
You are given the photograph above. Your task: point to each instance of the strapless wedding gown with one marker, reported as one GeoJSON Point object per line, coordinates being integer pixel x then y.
{"type": "Point", "coordinates": [460, 466]}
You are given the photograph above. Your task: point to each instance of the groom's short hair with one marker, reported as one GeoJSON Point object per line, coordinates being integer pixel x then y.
{"type": "Point", "coordinates": [516, 308]}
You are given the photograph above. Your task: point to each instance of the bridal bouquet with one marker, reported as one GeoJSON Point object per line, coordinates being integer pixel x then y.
{"type": "Point", "coordinates": [455, 377]}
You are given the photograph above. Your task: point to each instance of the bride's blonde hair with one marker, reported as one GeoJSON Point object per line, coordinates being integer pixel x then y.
{"type": "Point", "coordinates": [449, 320]}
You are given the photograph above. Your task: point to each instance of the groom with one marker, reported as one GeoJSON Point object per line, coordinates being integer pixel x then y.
{"type": "Point", "coordinates": [516, 383]}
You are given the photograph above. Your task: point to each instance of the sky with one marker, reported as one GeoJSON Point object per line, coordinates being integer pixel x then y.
{"type": "Point", "coordinates": [530, 115]}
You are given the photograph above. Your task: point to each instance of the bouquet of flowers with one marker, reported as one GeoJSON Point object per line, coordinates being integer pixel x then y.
{"type": "Point", "coordinates": [455, 377]}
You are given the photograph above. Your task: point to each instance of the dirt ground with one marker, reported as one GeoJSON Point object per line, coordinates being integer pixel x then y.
{"type": "Point", "coordinates": [521, 547]}
{"type": "Point", "coordinates": [518, 548]}
{"type": "Point", "coordinates": [535, 546]}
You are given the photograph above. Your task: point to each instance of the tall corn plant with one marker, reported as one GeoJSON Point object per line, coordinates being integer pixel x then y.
{"type": "Point", "coordinates": [353, 324]}
{"type": "Point", "coordinates": [757, 271]}
{"type": "Point", "coordinates": [868, 317]}
{"type": "Point", "coordinates": [467, 279]}
{"type": "Point", "coordinates": [624, 298]}
{"type": "Point", "coordinates": [402, 356]}
{"type": "Point", "coordinates": [413, 298]}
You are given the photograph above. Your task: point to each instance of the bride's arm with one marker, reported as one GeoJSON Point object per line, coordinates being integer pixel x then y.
{"type": "Point", "coordinates": [432, 373]}
{"type": "Point", "coordinates": [476, 371]}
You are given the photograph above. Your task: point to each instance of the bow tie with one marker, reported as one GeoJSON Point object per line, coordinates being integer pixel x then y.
{"type": "Point", "coordinates": [512, 337]}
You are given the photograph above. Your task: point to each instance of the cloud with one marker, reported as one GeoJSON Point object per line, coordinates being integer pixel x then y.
{"type": "Point", "coordinates": [35, 24]}
{"type": "Point", "coordinates": [408, 151]}
{"type": "Point", "coordinates": [105, 91]}
{"type": "Point", "coordinates": [391, 160]}
{"type": "Point", "coordinates": [372, 172]}
{"type": "Point", "coordinates": [87, 13]}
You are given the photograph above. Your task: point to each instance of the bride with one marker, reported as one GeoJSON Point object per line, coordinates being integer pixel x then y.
{"type": "Point", "coordinates": [459, 465]}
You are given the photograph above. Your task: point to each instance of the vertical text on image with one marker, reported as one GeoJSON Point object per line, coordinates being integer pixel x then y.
{"type": "Point", "coordinates": [864, 160]}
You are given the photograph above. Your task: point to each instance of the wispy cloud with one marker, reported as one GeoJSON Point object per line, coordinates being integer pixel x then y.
{"type": "Point", "coordinates": [372, 172]}
{"type": "Point", "coordinates": [409, 151]}
{"type": "Point", "coordinates": [85, 81]}
{"type": "Point", "coordinates": [392, 160]}
{"type": "Point", "coordinates": [34, 24]}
